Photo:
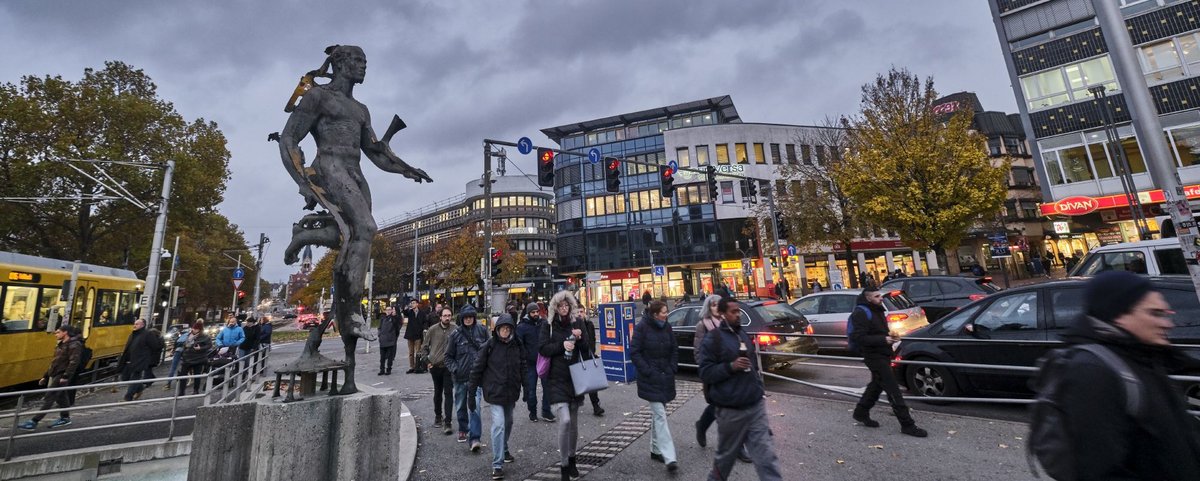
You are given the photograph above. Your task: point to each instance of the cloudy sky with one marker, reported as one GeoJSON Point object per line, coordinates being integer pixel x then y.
{"type": "Point", "coordinates": [458, 71]}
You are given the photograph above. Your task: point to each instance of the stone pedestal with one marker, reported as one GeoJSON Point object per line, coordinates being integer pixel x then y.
{"type": "Point", "coordinates": [322, 438]}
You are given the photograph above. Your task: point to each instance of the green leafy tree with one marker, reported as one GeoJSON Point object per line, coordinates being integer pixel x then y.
{"type": "Point", "coordinates": [456, 262]}
{"type": "Point", "coordinates": [321, 278]}
{"type": "Point", "coordinates": [927, 178]}
{"type": "Point", "coordinates": [393, 266]}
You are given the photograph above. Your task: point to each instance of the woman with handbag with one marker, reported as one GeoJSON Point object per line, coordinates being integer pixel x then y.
{"type": "Point", "coordinates": [563, 343]}
{"type": "Point", "coordinates": [656, 357]}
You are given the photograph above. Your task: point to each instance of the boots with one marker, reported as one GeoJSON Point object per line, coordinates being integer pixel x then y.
{"type": "Point", "coordinates": [913, 430]}
{"type": "Point", "coordinates": [565, 475]}
{"type": "Point", "coordinates": [571, 469]}
{"type": "Point", "coordinates": [864, 417]}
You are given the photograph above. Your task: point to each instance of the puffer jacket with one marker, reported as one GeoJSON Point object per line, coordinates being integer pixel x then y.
{"type": "Point", "coordinates": [1161, 442]}
{"type": "Point", "coordinates": [464, 344]}
{"type": "Point", "coordinates": [500, 367]}
{"type": "Point", "coordinates": [67, 355]}
{"type": "Point", "coordinates": [558, 387]}
{"type": "Point", "coordinates": [728, 388]}
{"type": "Point", "coordinates": [528, 332]}
{"type": "Point", "coordinates": [870, 334]}
{"type": "Point", "coordinates": [655, 354]}
{"type": "Point", "coordinates": [196, 349]}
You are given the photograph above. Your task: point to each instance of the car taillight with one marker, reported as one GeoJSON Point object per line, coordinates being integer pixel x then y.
{"type": "Point", "coordinates": [895, 362]}
{"type": "Point", "coordinates": [809, 330]}
{"type": "Point", "coordinates": [766, 340]}
{"type": "Point", "coordinates": [898, 317]}
{"type": "Point", "coordinates": [976, 297]}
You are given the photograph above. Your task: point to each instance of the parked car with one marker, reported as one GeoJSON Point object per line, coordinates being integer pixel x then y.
{"type": "Point", "coordinates": [1039, 314]}
{"type": "Point", "coordinates": [1152, 257]}
{"type": "Point", "coordinates": [828, 311]}
{"type": "Point", "coordinates": [762, 320]}
{"type": "Point", "coordinates": [941, 295]}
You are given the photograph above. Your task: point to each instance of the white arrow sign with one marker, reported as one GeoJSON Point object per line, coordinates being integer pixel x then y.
{"type": "Point", "coordinates": [237, 283]}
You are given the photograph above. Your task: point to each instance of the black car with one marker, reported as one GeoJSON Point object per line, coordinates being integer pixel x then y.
{"type": "Point", "coordinates": [941, 295]}
{"type": "Point", "coordinates": [762, 320]}
{"type": "Point", "coordinates": [1040, 313]}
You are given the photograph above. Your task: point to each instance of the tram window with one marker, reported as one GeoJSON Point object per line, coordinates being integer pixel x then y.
{"type": "Point", "coordinates": [107, 307]}
{"type": "Point", "coordinates": [77, 310]}
{"type": "Point", "coordinates": [19, 308]}
{"type": "Point", "coordinates": [125, 309]}
{"type": "Point", "coordinates": [50, 309]}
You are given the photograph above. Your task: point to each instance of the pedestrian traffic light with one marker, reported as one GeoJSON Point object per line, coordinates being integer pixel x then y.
{"type": "Point", "coordinates": [612, 175]}
{"type": "Point", "coordinates": [752, 188]}
{"type": "Point", "coordinates": [710, 174]}
{"type": "Point", "coordinates": [545, 167]}
{"type": "Point", "coordinates": [781, 230]}
{"type": "Point", "coordinates": [667, 176]}
{"type": "Point", "coordinates": [497, 259]}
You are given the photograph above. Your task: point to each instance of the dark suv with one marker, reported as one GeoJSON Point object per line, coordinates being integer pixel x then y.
{"type": "Point", "coordinates": [941, 295]}
{"type": "Point", "coordinates": [1027, 322]}
{"type": "Point", "coordinates": [762, 320]}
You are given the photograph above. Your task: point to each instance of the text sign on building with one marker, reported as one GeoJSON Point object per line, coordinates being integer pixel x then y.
{"type": "Point", "coordinates": [1077, 205]}
{"type": "Point", "coordinates": [999, 246]}
{"type": "Point", "coordinates": [1062, 227]}
{"type": "Point", "coordinates": [731, 169]}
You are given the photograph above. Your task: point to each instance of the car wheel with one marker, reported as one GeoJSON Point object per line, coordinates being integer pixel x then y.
{"type": "Point", "coordinates": [930, 381]}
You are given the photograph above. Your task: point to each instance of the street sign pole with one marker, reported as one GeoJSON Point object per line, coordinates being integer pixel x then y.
{"type": "Point", "coordinates": [160, 231]}
{"type": "Point", "coordinates": [237, 282]}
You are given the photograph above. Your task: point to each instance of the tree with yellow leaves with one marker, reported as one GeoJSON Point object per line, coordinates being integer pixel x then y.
{"type": "Point", "coordinates": [922, 176]}
{"type": "Point", "coordinates": [456, 261]}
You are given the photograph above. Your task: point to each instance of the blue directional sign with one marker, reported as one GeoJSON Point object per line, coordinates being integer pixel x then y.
{"type": "Point", "coordinates": [791, 250]}
{"type": "Point", "coordinates": [524, 145]}
{"type": "Point", "coordinates": [660, 271]}
{"type": "Point", "coordinates": [673, 165]}
{"type": "Point", "coordinates": [594, 155]}
{"type": "Point", "coordinates": [239, 273]}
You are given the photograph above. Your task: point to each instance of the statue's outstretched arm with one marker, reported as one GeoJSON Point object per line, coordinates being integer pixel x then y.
{"type": "Point", "coordinates": [382, 156]}
{"type": "Point", "coordinates": [299, 123]}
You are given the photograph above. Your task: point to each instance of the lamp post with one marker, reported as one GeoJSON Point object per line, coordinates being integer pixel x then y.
{"type": "Point", "coordinates": [1099, 92]}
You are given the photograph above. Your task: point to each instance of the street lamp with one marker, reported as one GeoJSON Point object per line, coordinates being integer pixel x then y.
{"type": "Point", "coordinates": [1099, 92]}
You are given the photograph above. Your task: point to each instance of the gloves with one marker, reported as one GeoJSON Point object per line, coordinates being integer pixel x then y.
{"type": "Point", "coordinates": [471, 398]}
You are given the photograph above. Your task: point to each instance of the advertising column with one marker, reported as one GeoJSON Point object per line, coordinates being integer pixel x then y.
{"type": "Point", "coordinates": [616, 332]}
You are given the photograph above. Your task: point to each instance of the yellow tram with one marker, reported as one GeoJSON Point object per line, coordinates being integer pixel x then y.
{"type": "Point", "coordinates": [32, 304]}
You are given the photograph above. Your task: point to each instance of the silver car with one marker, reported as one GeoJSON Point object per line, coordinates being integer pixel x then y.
{"type": "Point", "coordinates": [828, 312]}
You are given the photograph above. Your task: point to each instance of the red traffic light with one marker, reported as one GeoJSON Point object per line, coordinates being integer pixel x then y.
{"type": "Point", "coordinates": [241, 294]}
{"type": "Point", "coordinates": [613, 164]}
{"type": "Point", "coordinates": [497, 254]}
{"type": "Point", "coordinates": [546, 156]}
{"type": "Point", "coordinates": [668, 172]}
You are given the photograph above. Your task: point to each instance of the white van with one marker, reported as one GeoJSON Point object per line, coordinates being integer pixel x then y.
{"type": "Point", "coordinates": [1152, 257]}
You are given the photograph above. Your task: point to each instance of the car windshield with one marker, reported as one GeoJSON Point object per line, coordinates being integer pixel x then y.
{"type": "Point", "coordinates": [897, 301]}
{"type": "Point", "coordinates": [777, 311]}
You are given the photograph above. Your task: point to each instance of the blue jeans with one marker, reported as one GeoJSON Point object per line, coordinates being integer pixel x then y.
{"type": "Point", "coordinates": [175, 361]}
{"type": "Point", "coordinates": [473, 425]}
{"type": "Point", "coordinates": [531, 382]}
{"type": "Point", "coordinates": [502, 420]}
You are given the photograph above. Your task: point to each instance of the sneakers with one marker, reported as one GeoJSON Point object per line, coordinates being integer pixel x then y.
{"type": "Point", "coordinates": [914, 431]}
{"type": "Point", "coordinates": [549, 418]}
{"type": "Point", "coordinates": [497, 473]}
{"type": "Point", "coordinates": [597, 410]}
{"type": "Point", "coordinates": [533, 418]}
{"type": "Point", "coordinates": [410, 371]}
{"type": "Point", "coordinates": [437, 420]}
{"type": "Point", "coordinates": [657, 457]}
{"type": "Point", "coordinates": [475, 446]}
{"type": "Point", "coordinates": [672, 466]}
{"type": "Point", "coordinates": [508, 457]}
{"type": "Point", "coordinates": [462, 437]}
{"type": "Point", "coordinates": [446, 428]}
{"type": "Point", "coordinates": [865, 419]}
{"type": "Point", "coordinates": [61, 422]}
{"type": "Point", "coordinates": [701, 435]}
{"type": "Point", "coordinates": [743, 457]}
{"type": "Point", "coordinates": [29, 425]}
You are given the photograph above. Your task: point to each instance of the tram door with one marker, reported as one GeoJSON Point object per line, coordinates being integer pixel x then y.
{"type": "Point", "coordinates": [81, 312]}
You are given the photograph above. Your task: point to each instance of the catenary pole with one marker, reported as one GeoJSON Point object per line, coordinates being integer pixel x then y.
{"type": "Point", "coordinates": [160, 231]}
{"type": "Point", "coordinates": [1159, 158]}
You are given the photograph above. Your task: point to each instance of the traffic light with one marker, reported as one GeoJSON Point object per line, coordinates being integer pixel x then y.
{"type": "Point", "coordinates": [545, 167]}
{"type": "Point", "coordinates": [781, 229]}
{"type": "Point", "coordinates": [752, 188]}
{"type": "Point", "coordinates": [241, 294]}
{"type": "Point", "coordinates": [497, 259]}
{"type": "Point", "coordinates": [667, 176]}
{"type": "Point", "coordinates": [612, 175]}
{"type": "Point", "coordinates": [710, 174]}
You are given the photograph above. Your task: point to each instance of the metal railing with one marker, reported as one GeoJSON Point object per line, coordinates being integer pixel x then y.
{"type": "Point", "coordinates": [936, 399]}
{"type": "Point", "coordinates": [234, 378]}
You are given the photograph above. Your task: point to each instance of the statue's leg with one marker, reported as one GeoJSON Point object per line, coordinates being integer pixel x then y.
{"type": "Point", "coordinates": [348, 386]}
{"type": "Point", "coordinates": [353, 215]}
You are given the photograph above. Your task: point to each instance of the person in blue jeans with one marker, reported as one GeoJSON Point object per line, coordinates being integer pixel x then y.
{"type": "Point", "coordinates": [464, 344]}
{"type": "Point", "coordinates": [177, 356]}
{"type": "Point", "coordinates": [528, 331]}
{"type": "Point", "coordinates": [499, 374]}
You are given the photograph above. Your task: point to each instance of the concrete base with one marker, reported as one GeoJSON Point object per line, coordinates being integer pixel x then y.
{"type": "Point", "coordinates": [323, 438]}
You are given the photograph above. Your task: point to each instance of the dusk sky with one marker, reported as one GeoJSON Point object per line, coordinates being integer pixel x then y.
{"type": "Point", "coordinates": [458, 72]}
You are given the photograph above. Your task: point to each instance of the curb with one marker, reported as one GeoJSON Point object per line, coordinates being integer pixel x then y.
{"type": "Point", "coordinates": [408, 443]}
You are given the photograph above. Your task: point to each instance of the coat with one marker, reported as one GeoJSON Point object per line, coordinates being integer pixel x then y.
{"type": "Point", "coordinates": [416, 325]}
{"type": "Point", "coordinates": [500, 368]}
{"type": "Point", "coordinates": [437, 340]}
{"type": "Point", "coordinates": [728, 388]}
{"type": "Point", "coordinates": [250, 333]}
{"type": "Point", "coordinates": [870, 334]}
{"type": "Point", "coordinates": [558, 387]}
{"type": "Point", "coordinates": [142, 351]}
{"type": "Point", "coordinates": [196, 349]}
{"type": "Point", "coordinates": [231, 336]}
{"type": "Point", "coordinates": [529, 331]}
{"type": "Point", "coordinates": [1161, 442]}
{"type": "Point", "coordinates": [67, 356]}
{"type": "Point", "coordinates": [462, 348]}
{"type": "Point", "coordinates": [389, 330]}
{"type": "Point", "coordinates": [655, 354]}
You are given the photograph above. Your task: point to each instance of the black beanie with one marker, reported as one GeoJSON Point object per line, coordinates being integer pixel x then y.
{"type": "Point", "coordinates": [1114, 293]}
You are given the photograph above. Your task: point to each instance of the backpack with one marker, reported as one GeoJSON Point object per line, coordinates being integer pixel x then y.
{"type": "Point", "coordinates": [264, 332]}
{"type": "Point", "coordinates": [85, 356]}
{"type": "Point", "coordinates": [850, 343]}
{"type": "Point", "coordinates": [1048, 440]}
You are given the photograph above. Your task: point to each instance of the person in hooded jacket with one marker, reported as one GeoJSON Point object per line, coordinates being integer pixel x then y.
{"type": "Point", "coordinates": [389, 332]}
{"type": "Point", "coordinates": [66, 361]}
{"type": "Point", "coordinates": [563, 342]}
{"type": "Point", "coordinates": [869, 331]}
{"type": "Point", "coordinates": [464, 345]}
{"type": "Point", "coordinates": [528, 331]}
{"type": "Point", "coordinates": [1123, 313]}
{"type": "Point", "coordinates": [499, 373]}
{"type": "Point", "coordinates": [196, 349]}
{"type": "Point", "coordinates": [655, 354]}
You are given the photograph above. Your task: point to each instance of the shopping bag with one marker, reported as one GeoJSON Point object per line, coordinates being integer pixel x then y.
{"type": "Point", "coordinates": [588, 376]}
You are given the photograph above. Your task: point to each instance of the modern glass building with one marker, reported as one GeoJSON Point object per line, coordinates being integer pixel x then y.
{"type": "Point", "coordinates": [1055, 53]}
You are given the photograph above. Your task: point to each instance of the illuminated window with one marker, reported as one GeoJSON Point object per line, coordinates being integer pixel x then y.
{"type": "Point", "coordinates": [723, 154]}
{"type": "Point", "coordinates": [740, 151]}
{"type": "Point", "coordinates": [760, 156]}
{"type": "Point", "coordinates": [681, 156]}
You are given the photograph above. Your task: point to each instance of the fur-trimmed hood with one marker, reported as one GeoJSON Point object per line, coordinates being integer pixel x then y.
{"type": "Point", "coordinates": [559, 297]}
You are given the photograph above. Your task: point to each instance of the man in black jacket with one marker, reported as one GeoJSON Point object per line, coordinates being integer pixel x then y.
{"type": "Point", "coordinates": [736, 389]}
{"type": "Point", "coordinates": [416, 330]}
{"type": "Point", "coordinates": [141, 353]}
{"type": "Point", "coordinates": [500, 371]}
{"type": "Point", "coordinates": [63, 366]}
{"type": "Point", "coordinates": [389, 332]}
{"type": "Point", "coordinates": [869, 331]}
{"type": "Point", "coordinates": [1123, 314]}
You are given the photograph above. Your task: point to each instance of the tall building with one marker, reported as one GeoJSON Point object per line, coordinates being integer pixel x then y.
{"type": "Point", "coordinates": [1055, 53]}
{"type": "Point", "coordinates": [522, 213]}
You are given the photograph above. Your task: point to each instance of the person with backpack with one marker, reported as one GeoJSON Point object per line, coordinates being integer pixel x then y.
{"type": "Point", "coordinates": [1105, 407]}
{"type": "Point", "coordinates": [63, 366]}
{"type": "Point", "coordinates": [464, 345]}
{"type": "Point", "coordinates": [867, 335]}
{"type": "Point", "coordinates": [709, 321]}
{"type": "Point", "coordinates": [499, 373]}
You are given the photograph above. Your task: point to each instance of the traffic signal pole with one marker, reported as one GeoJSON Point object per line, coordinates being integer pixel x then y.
{"type": "Point", "coordinates": [1159, 159]}
{"type": "Point", "coordinates": [487, 228]}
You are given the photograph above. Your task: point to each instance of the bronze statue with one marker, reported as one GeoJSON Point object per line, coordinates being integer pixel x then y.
{"type": "Point", "coordinates": [341, 127]}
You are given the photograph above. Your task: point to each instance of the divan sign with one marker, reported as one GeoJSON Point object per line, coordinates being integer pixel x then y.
{"type": "Point", "coordinates": [1077, 205]}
